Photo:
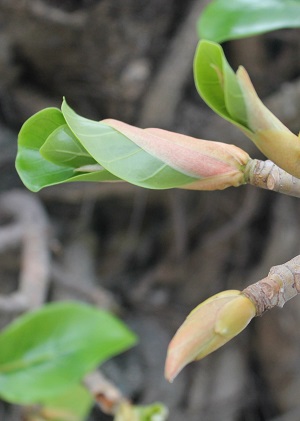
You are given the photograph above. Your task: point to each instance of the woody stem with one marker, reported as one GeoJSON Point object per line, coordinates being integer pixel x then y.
{"type": "Point", "coordinates": [267, 175]}
{"type": "Point", "coordinates": [281, 284]}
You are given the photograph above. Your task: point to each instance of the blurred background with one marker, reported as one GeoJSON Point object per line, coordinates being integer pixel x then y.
{"type": "Point", "coordinates": [151, 256]}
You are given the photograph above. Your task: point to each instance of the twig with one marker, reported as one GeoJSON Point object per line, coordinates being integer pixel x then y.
{"type": "Point", "coordinates": [105, 393]}
{"type": "Point", "coordinates": [266, 175]}
{"type": "Point", "coordinates": [281, 284]}
{"type": "Point", "coordinates": [32, 226]}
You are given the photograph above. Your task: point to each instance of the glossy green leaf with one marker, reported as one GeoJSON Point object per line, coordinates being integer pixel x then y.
{"type": "Point", "coordinates": [45, 352]}
{"type": "Point", "coordinates": [217, 83]}
{"type": "Point", "coordinates": [121, 156]}
{"type": "Point", "coordinates": [223, 20]}
{"type": "Point", "coordinates": [34, 169]}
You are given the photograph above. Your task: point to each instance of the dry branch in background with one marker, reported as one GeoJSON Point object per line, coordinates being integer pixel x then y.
{"type": "Point", "coordinates": [30, 228]}
{"type": "Point", "coordinates": [105, 393]}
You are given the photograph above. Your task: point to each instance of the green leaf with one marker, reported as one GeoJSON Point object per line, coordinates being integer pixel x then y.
{"type": "Point", "coordinates": [33, 169]}
{"type": "Point", "coordinates": [62, 148]}
{"type": "Point", "coordinates": [32, 166]}
{"type": "Point", "coordinates": [223, 20]}
{"type": "Point", "coordinates": [121, 156]}
{"type": "Point", "coordinates": [74, 404]}
{"type": "Point", "coordinates": [217, 83]}
{"type": "Point", "coordinates": [45, 352]}
{"type": "Point", "coordinates": [153, 412]}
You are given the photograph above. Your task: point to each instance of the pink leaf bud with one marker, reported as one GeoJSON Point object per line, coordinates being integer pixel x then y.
{"type": "Point", "coordinates": [216, 165]}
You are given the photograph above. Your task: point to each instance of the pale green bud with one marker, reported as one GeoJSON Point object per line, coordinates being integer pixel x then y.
{"type": "Point", "coordinates": [209, 326]}
{"type": "Point", "coordinates": [268, 133]}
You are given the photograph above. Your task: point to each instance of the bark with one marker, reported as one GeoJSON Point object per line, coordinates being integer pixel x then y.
{"type": "Point", "coordinates": [267, 175]}
{"type": "Point", "coordinates": [281, 284]}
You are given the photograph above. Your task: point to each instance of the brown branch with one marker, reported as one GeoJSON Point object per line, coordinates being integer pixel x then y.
{"type": "Point", "coordinates": [105, 393]}
{"type": "Point", "coordinates": [281, 284]}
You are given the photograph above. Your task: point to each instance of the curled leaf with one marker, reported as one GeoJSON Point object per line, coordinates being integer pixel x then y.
{"type": "Point", "coordinates": [40, 165]}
